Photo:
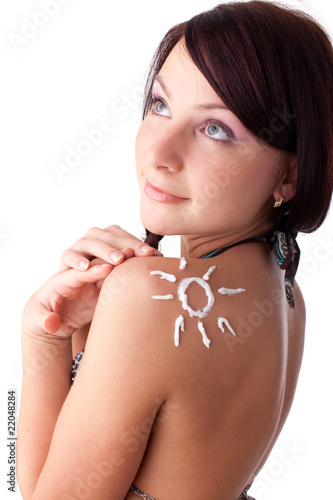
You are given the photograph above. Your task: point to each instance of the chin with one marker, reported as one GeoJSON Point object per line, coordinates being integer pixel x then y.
{"type": "Point", "coordinates": [156, 226]}
{"type": "Point", "coordinates": [156, 229]}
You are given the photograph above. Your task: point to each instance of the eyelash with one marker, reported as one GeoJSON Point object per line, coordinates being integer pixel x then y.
{"type": "Point", "coordinates": [155, 98]}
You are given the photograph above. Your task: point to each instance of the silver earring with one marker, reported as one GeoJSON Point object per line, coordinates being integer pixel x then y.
{"type": "Point", "coordinates": [279, 202]}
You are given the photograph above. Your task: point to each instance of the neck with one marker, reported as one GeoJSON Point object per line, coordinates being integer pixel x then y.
{"type": "Point", "coordinates": [195, 246]}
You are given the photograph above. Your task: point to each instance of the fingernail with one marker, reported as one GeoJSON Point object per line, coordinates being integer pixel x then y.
{"type": "Point", "coordinates": [145, 249]}
{"type": "Point", "coordinates": [115, 256]}
{"type": "Point", "coordinates": [83, 264]}
{"type": "Point", "coordinates": [106, 265]}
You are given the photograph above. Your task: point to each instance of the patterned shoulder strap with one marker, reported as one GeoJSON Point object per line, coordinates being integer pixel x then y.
{"type": "Point", "coordinates": [288, 254]}
{"type": "Point", "coordinates": [140, 493]}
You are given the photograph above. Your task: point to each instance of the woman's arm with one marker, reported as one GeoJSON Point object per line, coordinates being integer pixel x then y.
{"type": "Point", "coordinates": [41, 364]}
{"type": "Point", "coordinates": [62, 305]}
{"type": "Point", "coordinates": [45, 386]}
{"type": "Point", "coordinates": [100, 246]}
{"type": "Point", "coordinates": [100, 427]}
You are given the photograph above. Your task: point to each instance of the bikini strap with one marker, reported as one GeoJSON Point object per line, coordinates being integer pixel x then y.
{"type": "Point", "coordinates": [286, 251]}
{"type": "Point", "coordinates": [140, 493]}
{"type": "Point", "coordinates": [259, 238]}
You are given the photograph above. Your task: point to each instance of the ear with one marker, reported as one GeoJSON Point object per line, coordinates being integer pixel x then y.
{"type": "Point", "coordinates": [288, 183]}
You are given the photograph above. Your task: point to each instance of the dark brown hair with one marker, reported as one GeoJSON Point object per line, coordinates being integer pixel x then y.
{"type": "Point", "coordinates": [273, 67]}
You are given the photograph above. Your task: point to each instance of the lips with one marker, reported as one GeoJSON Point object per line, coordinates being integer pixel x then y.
{"type": "Point", "coordinates": [161, 195]}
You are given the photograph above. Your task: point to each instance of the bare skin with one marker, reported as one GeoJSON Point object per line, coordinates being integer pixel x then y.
{"type": "Point", "coordinates": [111, 245]}
{"type": "Point", "coordinates": [261, 366]}
{"type": "Point", "coordinates": [236, 395]}
{"type": "Point", "coordinates": [168, 415]}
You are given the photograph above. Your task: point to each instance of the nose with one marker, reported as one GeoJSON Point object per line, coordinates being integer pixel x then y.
{"type": "Point", "coordinates": [167, 150]}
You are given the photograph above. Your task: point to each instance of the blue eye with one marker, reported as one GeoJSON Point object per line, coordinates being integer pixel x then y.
{"type": "Point", "coordinates": [158, 106]}
{"type": "Point", "coordinates": [216, 131]}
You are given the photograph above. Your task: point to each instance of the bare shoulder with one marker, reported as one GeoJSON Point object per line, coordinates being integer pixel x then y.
{"type": "Point", "coordinates": [299, 301]}
{"type": "Point", "coordinates": [150, 274]}
{"type": "Point", "coordinates": [145, 288]}
{"type": "Point", "coordinates": [182, 295]}
{"type": "Point", "coordinates": [135, 276]}
{"type": "Point", "coordinates": [226, 306]}
{"type": "Point", "coordinates": [297, 322]}
{"type": "Point", "coordinates": [130, 300]}
{"type": "Point", "coordinates": [181, 319]}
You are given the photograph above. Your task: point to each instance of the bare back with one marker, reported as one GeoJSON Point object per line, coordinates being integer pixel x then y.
{"type": "Point", "coordinates": [227, 403]}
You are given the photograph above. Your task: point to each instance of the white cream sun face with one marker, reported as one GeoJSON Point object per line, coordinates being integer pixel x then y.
{"type": "Point", "coordinates": [199, 313]}
{"type": "Point", "coordinates": [197, 185]}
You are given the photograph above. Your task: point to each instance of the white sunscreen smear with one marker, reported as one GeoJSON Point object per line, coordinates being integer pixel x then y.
{"type": "Point", "coordinates": [205, 339]}
{"type": "Point", "coordinates": [165, 276]}
{"type": "Point", "coordinates": [183, 286]}
{"type": "Point", "coordinates": [183, 263]}
{"type": "Point", "coordinates": [199, 313]}
{"type": "Point", "coordinates": [220, 322]}
{"type": "Point", "coordinates": [178, 325]}
{"type": "Point", "coordinates": [231, 291]}
{"type": "Point", "coordinates": [208, 273]}
{"type": "Point", "coordinates": [163, 297]}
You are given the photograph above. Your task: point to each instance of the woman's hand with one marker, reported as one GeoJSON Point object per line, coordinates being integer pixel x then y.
{"type": "Point", "coordinates": [67, 301]}
{"type": "Point", "coordinates": [64, 304]}
{"type": "Point", "coordinates": [110, 245]}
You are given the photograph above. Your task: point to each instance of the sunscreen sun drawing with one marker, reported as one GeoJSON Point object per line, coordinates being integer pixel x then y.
{"type": "Point", "coordinates": [199, 313]}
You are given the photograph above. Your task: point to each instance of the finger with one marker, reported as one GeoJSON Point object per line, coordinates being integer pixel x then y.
{"type": "Point", "coordinates": [139, 248]}
{"type": "Point", "coordinates": [128, 253]}
{"type": "Point", "coordinates": [42, 320]}
{"type": "Point", "coordinates": [112, 244]}
{"type": "Point", "coordinates": [120, 239]}
{"type": "Point", "coordinates": [98, 247]}
{"type": "Point", "coordinates": [65, 283]}
{"type": "Point", "coordinates": [71, 259]}
{"type": "Point", "coordinates": [51, 322]}
{"type": "Point", "coordinates": [74, 278]}
{"type": "Point", "coordinates": [146, 250]}
{"type": "Point", "coordinates": [80, 254]}
{"type": "Point", "coordinates": [97, 262]}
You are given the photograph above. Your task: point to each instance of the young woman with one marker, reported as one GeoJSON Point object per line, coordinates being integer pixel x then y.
{"type": "Point", "coordinates": [190, 367]}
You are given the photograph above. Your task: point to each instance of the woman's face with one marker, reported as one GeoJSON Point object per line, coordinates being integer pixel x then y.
{"type": "Point", "coordinates": [199, 170]}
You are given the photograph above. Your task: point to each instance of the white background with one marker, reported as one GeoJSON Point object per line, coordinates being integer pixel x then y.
{"type": "Point", "coordinates": [86, 64]}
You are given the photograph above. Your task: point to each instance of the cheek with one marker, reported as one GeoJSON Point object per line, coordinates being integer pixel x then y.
{"type": "Point", "coordinates": [141, 148]}
{"type": "Point", "coordinates": [139, 143]}
{"type": "Point", "coordinates": [250, 172]}
{"type": "Point", "coordinates": [145, 139]}
{"type": "Point", "coordinates": [221, 176]}
{"type": "Point", "coordinates": [235, 186]}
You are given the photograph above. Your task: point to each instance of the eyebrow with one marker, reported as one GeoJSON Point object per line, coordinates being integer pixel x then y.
{"type": "Point", "coordinates": [206, 106]}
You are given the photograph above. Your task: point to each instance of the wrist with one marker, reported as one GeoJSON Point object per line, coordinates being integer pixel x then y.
{"type": "Point", "coordinates": [43, 354]}
{"type": "Point", "coordinates": [46, 340]}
